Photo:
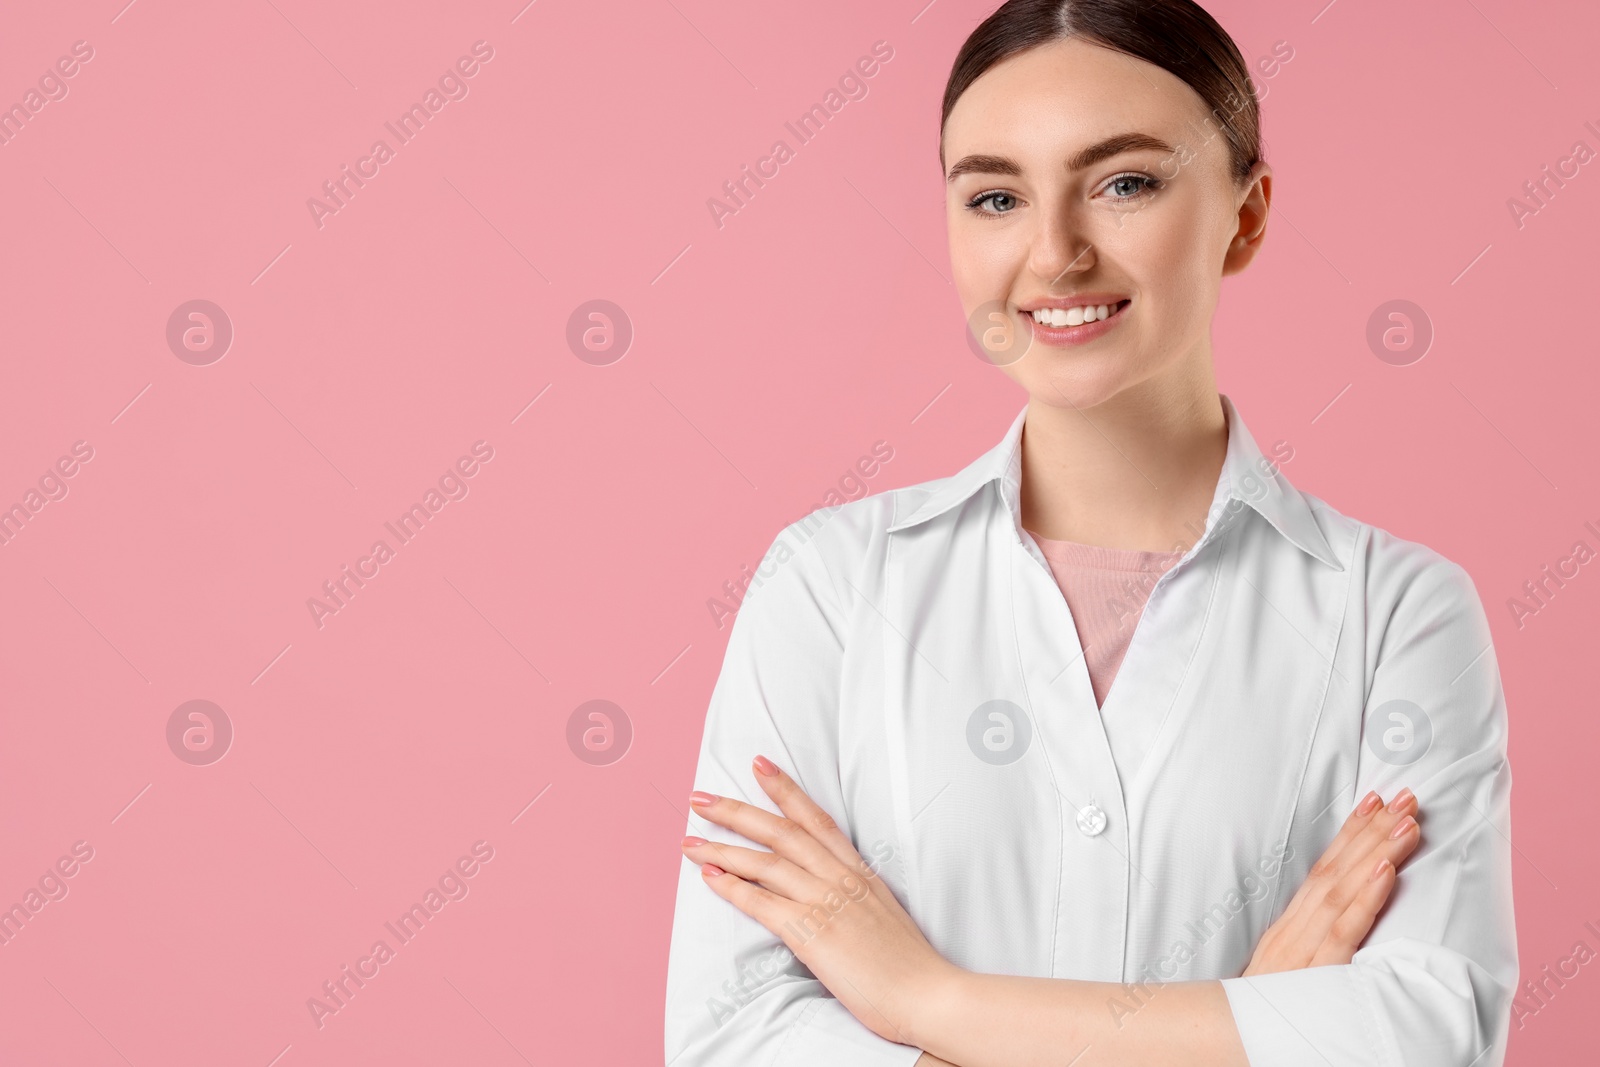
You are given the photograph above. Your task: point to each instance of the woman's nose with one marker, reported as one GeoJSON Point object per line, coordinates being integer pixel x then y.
{"type": "Point", "coordinates": [1059, 247]}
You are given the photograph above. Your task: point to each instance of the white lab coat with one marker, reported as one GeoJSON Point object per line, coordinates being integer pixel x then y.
{"type": "Point", "coordinates": [910, 660]}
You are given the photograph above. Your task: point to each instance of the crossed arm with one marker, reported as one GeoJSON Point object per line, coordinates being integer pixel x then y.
{"type": "Point", "coordinates": [875, 960]}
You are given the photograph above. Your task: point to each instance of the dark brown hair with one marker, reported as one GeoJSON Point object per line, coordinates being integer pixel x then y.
{"type": "Point", "coordinates": [1175, 35]}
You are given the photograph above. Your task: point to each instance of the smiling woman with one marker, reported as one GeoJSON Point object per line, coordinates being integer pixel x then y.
{"type": "Point", "coordinates": [1074, 793]}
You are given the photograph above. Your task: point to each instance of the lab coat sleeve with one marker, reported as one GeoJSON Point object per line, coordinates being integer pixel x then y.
{"type": "Point", "coordinates": [736, 995]}
{"type": "Point", "coordinates": [1433, 982]}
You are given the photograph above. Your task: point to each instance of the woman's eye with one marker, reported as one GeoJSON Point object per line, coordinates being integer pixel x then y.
{"type": "Point", "coordinates": [1134, 186]}
{"type": "Point", "coordinates": [993, 203]}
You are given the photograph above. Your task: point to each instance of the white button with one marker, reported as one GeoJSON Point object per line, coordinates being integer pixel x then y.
{"type": "Point", "coordinates": [1091, 820]}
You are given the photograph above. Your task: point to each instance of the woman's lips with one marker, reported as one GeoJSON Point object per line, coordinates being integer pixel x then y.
{"type": "Point", "coordinates": [1061, 336]}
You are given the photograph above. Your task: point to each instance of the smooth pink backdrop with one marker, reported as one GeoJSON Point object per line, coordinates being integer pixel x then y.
{"type": "Point", "coordinates": [768, 355]}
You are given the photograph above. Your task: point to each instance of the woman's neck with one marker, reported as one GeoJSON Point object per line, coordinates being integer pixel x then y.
{"type": "Point", "coordinates": [1137, 471]}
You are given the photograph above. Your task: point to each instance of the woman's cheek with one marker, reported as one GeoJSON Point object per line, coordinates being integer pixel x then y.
{"type": "Point", "coordinates": [1182, 258]}
{"type": "Point", "coordinates": [985, 267]}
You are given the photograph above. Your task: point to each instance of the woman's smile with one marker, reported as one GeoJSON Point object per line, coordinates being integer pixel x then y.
{"type": "Point", "coordinates": [1074, 320]}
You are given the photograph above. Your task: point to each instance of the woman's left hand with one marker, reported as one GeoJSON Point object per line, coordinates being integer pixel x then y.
{"type": "Point", "coordinates": [820, 897]}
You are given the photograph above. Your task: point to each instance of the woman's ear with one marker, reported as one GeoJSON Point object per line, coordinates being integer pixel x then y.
{"type": "Point", "coordinates": [1252, 225]}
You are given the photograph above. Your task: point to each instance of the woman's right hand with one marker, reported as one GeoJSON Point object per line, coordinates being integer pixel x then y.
{"type": "Point", "coordinates": [1337, 904]}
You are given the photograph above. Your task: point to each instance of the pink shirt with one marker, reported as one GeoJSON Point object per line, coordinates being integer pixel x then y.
{"type": "Point", "coordinates": [1105, 589]}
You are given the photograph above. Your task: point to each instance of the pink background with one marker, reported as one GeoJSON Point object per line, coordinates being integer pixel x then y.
{"type": "Point", "coordinates": [769, 355]}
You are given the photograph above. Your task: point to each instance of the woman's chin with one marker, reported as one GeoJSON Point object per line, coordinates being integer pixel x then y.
{"type": "Point", "coordinates": [1074, 387]}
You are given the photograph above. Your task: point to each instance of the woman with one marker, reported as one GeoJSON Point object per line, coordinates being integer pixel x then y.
{"type": "Point", "coordinates": [1032, 864]}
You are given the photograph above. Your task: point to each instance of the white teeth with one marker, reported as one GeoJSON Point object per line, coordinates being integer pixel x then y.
{"type": "Point", "coordinates": [1072, 316]}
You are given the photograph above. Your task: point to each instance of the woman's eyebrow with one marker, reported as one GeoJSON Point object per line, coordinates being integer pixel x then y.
{"type": "Point", "coordinates": [1080, 160]}
{"type": "Point", "coordinates": [983, 165]}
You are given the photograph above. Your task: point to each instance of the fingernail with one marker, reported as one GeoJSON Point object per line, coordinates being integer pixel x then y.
{"type": "Point", "coordinates": [698, 797]}
{"type": "Point", "coordinates": [1377, 872]}
{"type": "Point", "coordinates": [766, 766]}
{"type": "Point", "coordinates": [711, 869]}
{"type": "Point", "coordinates": [1402, 827]}
{"type": "Point", "coordinates": [691, 842]}
{"type": "Point", "coordinates": [1369, 803]}
{"type": "Point", "coordinates": [1400, 799]}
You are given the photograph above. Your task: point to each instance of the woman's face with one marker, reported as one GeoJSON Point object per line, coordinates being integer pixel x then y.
{"type": "Point", "coordinates": [1076, 171]}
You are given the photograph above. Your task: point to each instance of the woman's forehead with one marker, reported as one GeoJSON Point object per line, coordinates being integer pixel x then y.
{"type": "Point", "coordinates": [1071, 90]}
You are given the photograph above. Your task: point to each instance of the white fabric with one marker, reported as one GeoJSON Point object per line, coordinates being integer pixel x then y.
{"type": "Point", "coordinates": [1230, 749]}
